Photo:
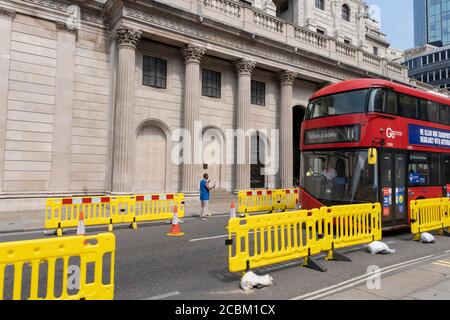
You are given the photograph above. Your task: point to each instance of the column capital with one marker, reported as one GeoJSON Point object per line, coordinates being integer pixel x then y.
{"type": "Point", "coordinates": [126, 36]}
{"type": "Point", "coordinates": [287, 77]}
{"type": "Point", "coordinates": [244, 66]}
{"type": "Point", "coordinates": [193, 53]}
{"type": "Point", "coordinates": [6, 13]}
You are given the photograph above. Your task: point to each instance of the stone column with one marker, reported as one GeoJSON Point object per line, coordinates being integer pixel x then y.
{"type": "Point", "coordinates": [287, 79]}
{"type": "Point", "coordinates": [6, 18]}
{"type": "Point", "coordinates": [192, 55]}
{"type": "Point", "coordinates": [124, 130]}
{"type": "Point", "coordinates": [62, 128]}
{"type": "Point", "coordinates": [244, 69]}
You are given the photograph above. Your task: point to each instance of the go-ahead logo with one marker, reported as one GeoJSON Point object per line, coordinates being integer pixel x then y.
{"type": "Point", "coordinates": [392, 134]}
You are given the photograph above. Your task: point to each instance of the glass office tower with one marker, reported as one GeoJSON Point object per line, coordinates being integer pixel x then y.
{"type": "Point", "coordinates": [431, 22]}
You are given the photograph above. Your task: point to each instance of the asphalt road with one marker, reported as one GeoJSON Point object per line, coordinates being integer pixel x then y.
{"type": "Point", "coordinates": [151, 265]}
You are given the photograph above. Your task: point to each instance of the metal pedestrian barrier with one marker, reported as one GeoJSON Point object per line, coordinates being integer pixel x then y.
{"type": "Point", "coordinates": [109, 210]}
{"type": "Point", "coordinates": [68, 268]}
{"type": "Point", "coordinates": [262, 240]}
{"type": "Point", "coordinates": [267, 200]}
{"type": "Point", "coordinates": [428, 215]}
{"type": "Point", "coordinates": [349, 225]}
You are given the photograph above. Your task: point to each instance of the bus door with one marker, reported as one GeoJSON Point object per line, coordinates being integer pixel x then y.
{"type": "Point", "coordinates": [393, 188]}
{"type": "Point", "coordinates": [447, 176]}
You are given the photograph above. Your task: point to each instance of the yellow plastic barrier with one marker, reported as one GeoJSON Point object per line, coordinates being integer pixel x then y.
{"type": "Point", "coordinates": [255, 200]}
{"type": "Point", "coordinates": [349, 225]}
{"type": "Point", "coordinates": [64, 212]}
{"type": "Point", "coordinates": [108, 210]}
{"type": "Point", "coordinates": [157, 206]}
{"type": "Point", "coordinates": [267, 200]}
{"type": "Point", "coordinates": [257, 241]}
{"type": "Point", "coordinates": [43, 268]}
{"type": "Point", "coordinates": [429, 215]}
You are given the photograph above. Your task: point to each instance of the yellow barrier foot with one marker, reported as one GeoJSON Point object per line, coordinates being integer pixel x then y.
{"type": "Point", "coordinates": [134, 225]}
{"type": "Point", "coordinates": [336, 256]}
{"type": "Point", "coordinates": [444, 232]}
{"type": "Point", "coordinates": [59, 232]}
{"type": "Point", "coordinates": [110, 227]}
{"type": "Point", "coordinates": [417, 237]}
{"type": "Point", "coordinates": [313, 263]}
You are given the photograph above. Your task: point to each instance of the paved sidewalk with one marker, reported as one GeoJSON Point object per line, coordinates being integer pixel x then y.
{"type": "Point", "coordinates": [430, 281]}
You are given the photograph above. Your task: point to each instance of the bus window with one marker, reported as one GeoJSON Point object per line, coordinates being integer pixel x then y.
{"type": "Point", "coordinates": [445, 114]}
{"type": "Point", "coordinates": [424, 169]}
{"type": "Point", "coordinates": [391, 103]}
{"type": "Point", "coordinates": [338, 104]}
{"type": "Point", "coordinates": [447, 170]}
{"type": "Point", "coordinates": [408, 106]}
{"type": "Point", "coordinates": [428, 111]}
{"type": "Point", "coordinates": [382, 100]}
{"type": "Point", "coordinates": [376, 102]}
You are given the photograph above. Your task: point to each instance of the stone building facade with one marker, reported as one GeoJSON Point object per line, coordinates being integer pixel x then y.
{"type": "Point", "coordinates": [91, 93]}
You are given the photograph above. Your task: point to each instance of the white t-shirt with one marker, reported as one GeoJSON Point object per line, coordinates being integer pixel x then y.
{"type": "Point", "coordinates": [330, 174]}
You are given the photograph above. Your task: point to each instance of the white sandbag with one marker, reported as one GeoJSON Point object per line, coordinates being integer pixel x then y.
{"type": "Point", "coordinates": [379, 247]}
{"type": "Point", "coordinates": [427, 238]}
{"type": "Point", "coordinates": [250, 281]}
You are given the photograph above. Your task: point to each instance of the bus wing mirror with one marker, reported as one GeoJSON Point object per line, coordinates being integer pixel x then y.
{"type": "Point", "coordinates": [372, 157]}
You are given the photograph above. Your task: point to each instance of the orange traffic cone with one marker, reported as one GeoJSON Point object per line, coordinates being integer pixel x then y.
{"type": "Point", "coordinates": [175, 231]}
{"type": "Point", "coordinates": [81, 229]}
{"type": "Point", "coordinates": [232, 210]}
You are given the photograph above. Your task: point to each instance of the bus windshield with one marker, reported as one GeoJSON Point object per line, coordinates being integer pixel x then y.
{"type": "Point", "coordinates": [339, 177]}
{"type": "Point", "coordinates": [338, 104]}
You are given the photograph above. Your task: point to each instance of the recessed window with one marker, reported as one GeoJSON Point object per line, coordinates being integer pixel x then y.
{"type": "Point", "coordinates": [320, 4]}
{"type": "Point", "coordinates": [283, 7]}
{"type": "Point", "coordinates": [211, 83]}
{"type": "Point", "coordinates": [154, 72]}
{"type": "Point", "coordinates": [375, 51]}
{"type": "Point", "coordinates": [258, 93]}
{"type": "Point", "coordinates": [320, 31]}
{"type": "Point", "coordinates": [346, 41]}
{"type": "Point", "coordinates": [346, 12]}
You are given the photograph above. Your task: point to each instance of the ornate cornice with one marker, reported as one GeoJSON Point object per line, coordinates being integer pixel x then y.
{"type": "Point", "coordinates": [52, 4]}
{"type": "Point", "coordinates": [126, 36]}
{"type": "Point", "coordinates": [64, 27]}
{"type": "Point", "coordinates": [219, 38]}
{"type": "Point", "coordinates": [193, 53]}
{"type": "Point", "coordinates": [7, 13]}
{"type": "Point", "coordinates": [244, 66]}
{"type": "Point", "coordinates": [287, 77]}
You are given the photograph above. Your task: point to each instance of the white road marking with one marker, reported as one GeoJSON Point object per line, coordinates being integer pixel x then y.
{"type": "Point", "coordinates": [213, 237]}
{"type": "Point", "coordinates": [354, 281]}
{"type": "Point", "coordinates": [208, 238]}
{"type": "Point", "coordinates": [163, 296]}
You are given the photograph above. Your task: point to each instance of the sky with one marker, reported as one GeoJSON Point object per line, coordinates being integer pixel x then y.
{"type": "Point", "coordinates": [396, 21]}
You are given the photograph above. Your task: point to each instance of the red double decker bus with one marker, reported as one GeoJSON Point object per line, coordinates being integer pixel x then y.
{"type": "Point", "coordinates": [370, 140]}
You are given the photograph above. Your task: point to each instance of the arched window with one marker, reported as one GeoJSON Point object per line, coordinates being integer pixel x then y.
{"type": "Point", "coordinates": [346, 12]}
{"type": "Point", "coordinates": [320, 4]}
